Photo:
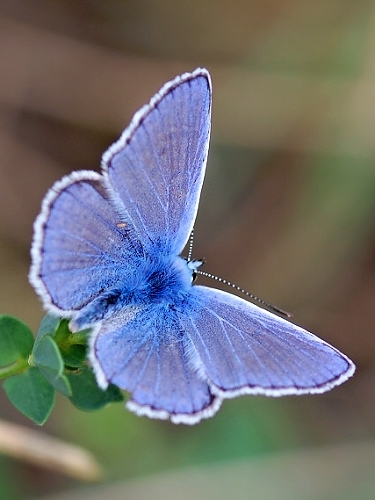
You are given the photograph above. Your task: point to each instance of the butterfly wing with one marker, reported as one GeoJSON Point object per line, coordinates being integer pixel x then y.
{"type": "Point", "coordinates": [242, 349]}
{"type": "Point", "coordinates": [144, 353]}
{"type": "Point", "coordinates": [79, 244]}
{"type": "Point", "coordinates": [92, 226]}
{"type": "Point", "coordinates": [155, 170]}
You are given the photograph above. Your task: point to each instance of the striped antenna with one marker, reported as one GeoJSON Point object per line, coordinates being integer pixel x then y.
{"type": "Point", "coordinates": [269, 306]}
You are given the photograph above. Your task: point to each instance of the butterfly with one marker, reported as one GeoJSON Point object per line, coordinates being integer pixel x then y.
{"type": "Point", "coordinates": [106, 254]}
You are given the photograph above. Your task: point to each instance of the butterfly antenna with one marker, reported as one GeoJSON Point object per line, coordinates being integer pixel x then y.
{"type": "Point", "coordinates": [269, 306]}
{"type": "Point", "coordinates": [191, 241]}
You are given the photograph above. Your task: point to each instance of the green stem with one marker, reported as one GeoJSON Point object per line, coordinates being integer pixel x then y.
{"type": "Point", "coordinates": [15, 368]}
{"type": "Point", "coordinates": [79, 337]}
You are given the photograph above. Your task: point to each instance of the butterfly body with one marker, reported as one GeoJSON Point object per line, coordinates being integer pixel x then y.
{"type": "Point", "coordinates": [106, 254]}
{"type": "Point", "coordinates": [154, 280]}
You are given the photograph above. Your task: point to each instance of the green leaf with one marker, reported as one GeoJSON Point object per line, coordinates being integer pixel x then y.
{"type": "Point", "coordinates": [48, 326]}
{"type": "Point", "coordinates": [47, 355]}
{"type": "Point", "coordinates": [31, 394]}
{"type": "Point", "coordinates": [16, 340]}
{"type": "Point", "coordinates": [73, 346]}
{"type": "Point", "coordinates": [74, 356]}
{"type": "Point", "coordinates": [48, 359]}
{"type": "Point", "coordinates": [87, 395]}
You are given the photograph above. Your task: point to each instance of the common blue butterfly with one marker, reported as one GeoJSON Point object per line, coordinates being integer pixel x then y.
{"type": "Point", "coordinates": [106, 253]}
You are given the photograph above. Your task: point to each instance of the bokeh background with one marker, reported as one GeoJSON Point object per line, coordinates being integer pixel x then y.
{"type": "Point", "coordinates": [287, 212]}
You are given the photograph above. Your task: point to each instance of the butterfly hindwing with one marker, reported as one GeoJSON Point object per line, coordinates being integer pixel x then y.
{"type": "Point", "coordinates": [145, 353]}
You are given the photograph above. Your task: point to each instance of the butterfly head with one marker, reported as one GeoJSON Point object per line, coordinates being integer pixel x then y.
{"type": "Point", "coordinates": [193, 265]}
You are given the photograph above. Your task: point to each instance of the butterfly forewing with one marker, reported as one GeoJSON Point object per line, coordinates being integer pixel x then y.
{"type": "Point", "coordinates": [156, 169]}
{"type": "Point", "coordinates": [78, 248]}
{"type": "Point", "coordinates": [247, 350]}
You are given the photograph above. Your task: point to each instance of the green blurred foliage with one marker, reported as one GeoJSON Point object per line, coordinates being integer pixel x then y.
{"type": "Point", "coordinates": [133, 446]}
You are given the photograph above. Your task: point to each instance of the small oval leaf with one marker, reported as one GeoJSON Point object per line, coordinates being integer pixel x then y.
{"type": "Point", "coordinates": [16, 340]}
{"type": "Point", "coordinates": [48, 326]}
{"type": "Point", "coordinates": [48, 359]}
{"type": "Point", "coordinates": [31, 394]}
{"type": "Point", "coordinates": [87, 395]}
{"type": "Point", "coordinates": [61, 384]}
{"type": "Point", "coordinates": [47, 355]}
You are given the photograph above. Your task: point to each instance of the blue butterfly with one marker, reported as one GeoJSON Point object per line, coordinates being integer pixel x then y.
{"type": "Point", "coordinates": [106, 254]}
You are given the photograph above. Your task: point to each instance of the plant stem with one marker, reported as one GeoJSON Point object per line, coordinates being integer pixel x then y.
{"type": "Point", "coordinates": [79, 337]}
{"type": "Point", "coordinates": [15, 368]}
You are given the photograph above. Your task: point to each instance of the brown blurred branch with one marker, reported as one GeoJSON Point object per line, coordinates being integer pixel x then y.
{"type": "Point", "coordinates": [51, 453]}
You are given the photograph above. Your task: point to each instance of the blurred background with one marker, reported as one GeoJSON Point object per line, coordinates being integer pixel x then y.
{"type": "Point", "coordinates": [287, 212]}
